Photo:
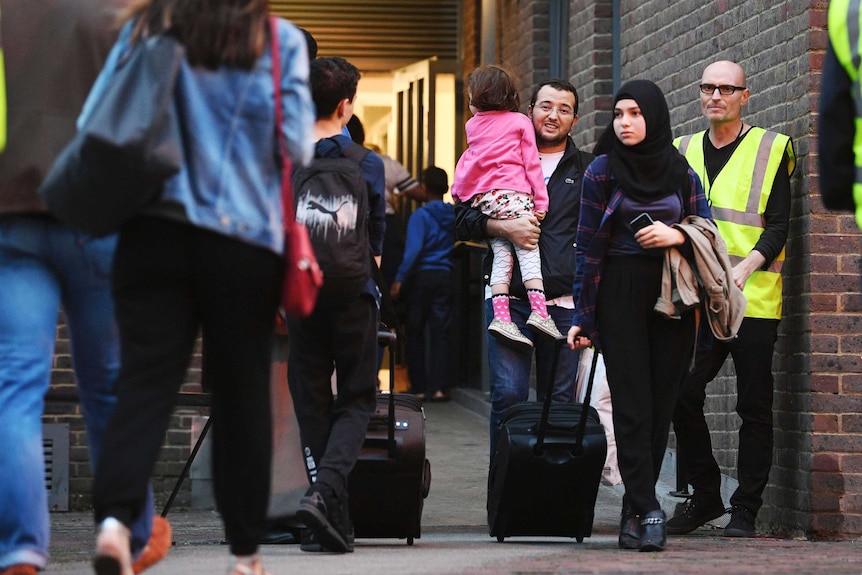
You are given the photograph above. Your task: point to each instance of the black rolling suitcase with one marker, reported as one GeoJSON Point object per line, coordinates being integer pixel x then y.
{"type": "Point", "coordinates": [391, 478]}
{"type": "Point", "coordinates": [547, 466]}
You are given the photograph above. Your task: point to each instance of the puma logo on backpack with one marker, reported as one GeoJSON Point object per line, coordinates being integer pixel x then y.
{"type": "Point", "coordinates": [332, 201]}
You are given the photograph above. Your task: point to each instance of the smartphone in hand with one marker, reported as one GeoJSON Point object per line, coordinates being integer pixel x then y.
{"type": "Point", "coordinates": [643, 220]}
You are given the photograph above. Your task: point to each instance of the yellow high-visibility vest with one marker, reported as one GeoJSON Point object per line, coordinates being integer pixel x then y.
{"type": "Point", "coordinates": [844, 22]}
{"type": "Point", "coordinates": [2, 99]}
{"type": "Point", "coordinates": [738, 198]}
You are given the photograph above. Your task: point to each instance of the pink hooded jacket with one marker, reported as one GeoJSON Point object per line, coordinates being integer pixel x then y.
{"type": "Point", "coordinates": [502, 155]}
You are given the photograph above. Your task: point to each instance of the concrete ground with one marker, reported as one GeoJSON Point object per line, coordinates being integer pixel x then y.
{"type": "Point", "coordinates": [455, 537]}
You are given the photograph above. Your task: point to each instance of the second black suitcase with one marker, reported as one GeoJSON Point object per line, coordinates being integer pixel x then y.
{"type": "Point", "coordinates": [547, 466]}
{"type": "Point", "coordinates": [391, 479]}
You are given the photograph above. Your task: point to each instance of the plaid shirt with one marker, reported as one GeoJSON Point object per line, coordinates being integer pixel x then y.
{"type": "Point", "coordinates": [594, 230]}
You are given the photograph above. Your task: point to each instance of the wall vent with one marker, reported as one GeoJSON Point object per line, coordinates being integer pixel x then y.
{"type": "Point", "coordinates": [55, 445]}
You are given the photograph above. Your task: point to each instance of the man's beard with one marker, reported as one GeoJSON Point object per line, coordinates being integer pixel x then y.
{"type": "Point", "coordinates": [546, 141]}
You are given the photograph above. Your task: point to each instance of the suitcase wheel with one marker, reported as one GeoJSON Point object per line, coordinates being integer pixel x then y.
{"type": "Point", "coordinates": [579, 538]}
{"type": "Point", "coordinates": [409, 541]}
{"type": "Point", "coordinates": [500, 538]}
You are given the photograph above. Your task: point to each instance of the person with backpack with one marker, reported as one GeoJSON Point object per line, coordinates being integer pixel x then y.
{"type": "Point", "coordinates": [340, 198]}
{"type": "Point", "coordinates": [427, 269]}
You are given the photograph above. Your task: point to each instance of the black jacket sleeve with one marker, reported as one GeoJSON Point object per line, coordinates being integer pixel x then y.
{"type": "Point", "coordinates": [776, 216]}
{"type": "Point", "coordinates": [837, 131]}
{"type": "Point", "coordinates": [470, 223]}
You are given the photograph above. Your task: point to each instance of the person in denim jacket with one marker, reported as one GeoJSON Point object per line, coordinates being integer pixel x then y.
{"type": "Point", "coordinates": [206, 258]}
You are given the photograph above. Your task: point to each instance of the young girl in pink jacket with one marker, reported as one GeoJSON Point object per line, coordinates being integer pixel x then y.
{"type": "Point", "coordinates": [501, 175]}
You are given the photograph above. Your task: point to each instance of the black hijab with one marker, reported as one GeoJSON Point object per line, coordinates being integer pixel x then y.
{"type": "Point", "coordinates": [653, 168]}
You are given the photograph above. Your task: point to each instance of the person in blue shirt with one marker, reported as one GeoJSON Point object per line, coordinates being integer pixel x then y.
{"type": "Point", "coordinates": [206, 259]}
{"type": "Point", "coordinates": [339, 336]}
{"type": "Point", "coordinates": [427, 272]}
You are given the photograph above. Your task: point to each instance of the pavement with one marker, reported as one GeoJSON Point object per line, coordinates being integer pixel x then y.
{"type": "Point", "coordinates": [455, 535]}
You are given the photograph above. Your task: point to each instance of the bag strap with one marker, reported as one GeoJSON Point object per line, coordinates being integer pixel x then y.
{"type": "Point", "coordinates": [287, 200]}
{"type": "Point", "coordinates": [355, 152]}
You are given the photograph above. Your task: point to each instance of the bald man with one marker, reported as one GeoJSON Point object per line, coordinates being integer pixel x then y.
{"type": "Point", "coordinates": [745, 171]}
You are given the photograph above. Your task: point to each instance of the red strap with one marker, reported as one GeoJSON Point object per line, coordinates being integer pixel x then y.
{"type": "Point", "coordinates": [286, 191]}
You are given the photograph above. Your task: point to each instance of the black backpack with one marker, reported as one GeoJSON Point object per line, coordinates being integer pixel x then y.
{"type": "Point", "coordinates": [332, 201]}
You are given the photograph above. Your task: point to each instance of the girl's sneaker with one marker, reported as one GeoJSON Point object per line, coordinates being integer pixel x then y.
{"type": "Point", "coordinates": [508, 333]}
{"type": "Point", "coordinates": [544, 325]}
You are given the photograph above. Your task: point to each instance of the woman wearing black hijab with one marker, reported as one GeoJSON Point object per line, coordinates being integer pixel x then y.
{"type": "Point", "coordinates": [617, 282]}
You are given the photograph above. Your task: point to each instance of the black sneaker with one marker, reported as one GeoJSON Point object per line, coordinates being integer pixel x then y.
{"type": "Point", "coordinates": [698, 511]}
{"type": "Point", "coordinates": [321, 511]}
{"type": "Point", "coordinates": [308, 542]}
{"type": "Point", "coordinates": [741, 523]}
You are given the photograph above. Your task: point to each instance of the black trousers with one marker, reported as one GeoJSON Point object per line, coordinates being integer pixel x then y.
{"type": "Point", "coordinates": [332, 428]}
{"type": "Point", "coordinates": [170, 281]}
{"type": "Point", "coordinates": [646, 356]}
{"type": "Point", "coordinates": [752, 357]}
{"type": "Point", "coordinates": [429, 306]}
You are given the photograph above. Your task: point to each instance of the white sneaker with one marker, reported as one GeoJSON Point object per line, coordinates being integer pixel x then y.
{"type": "Point", "coordinates": [113, 554]}
{"type": "Point", "coordinates": [544, 325]}
{"type": "Point", "coordinates": [248, 565]}
{"type": "Point", "coordinates": [507, 332]}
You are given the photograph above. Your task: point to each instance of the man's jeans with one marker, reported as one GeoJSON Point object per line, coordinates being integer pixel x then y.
{"type": "Point", "coordinates": [510, 368]}
{"type": "Point", "coordinates": [44, 264]}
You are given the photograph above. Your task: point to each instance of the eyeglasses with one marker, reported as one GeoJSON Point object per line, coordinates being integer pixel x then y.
{"type": "Point", "coordinates": [724, 90]}
{"type": "Point", "coordinates": [562, 112]}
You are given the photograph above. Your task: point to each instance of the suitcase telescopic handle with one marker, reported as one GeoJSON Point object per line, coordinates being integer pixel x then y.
{"type": "Point", "coordinates": [388, 338]}
{"type": "Point", "coordinates": [582, 424]}
{"type": "Point", "coordinates": [546, 407]}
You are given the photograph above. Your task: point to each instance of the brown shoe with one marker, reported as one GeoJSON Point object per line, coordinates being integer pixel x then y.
{"type": "Point", "coordinates": [20, 569]}
{"type": "Point", "coordinates": [157, 547]}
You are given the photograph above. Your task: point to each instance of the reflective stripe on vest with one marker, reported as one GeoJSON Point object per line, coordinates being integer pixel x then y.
{"type": "Point", "coordinates": [738, 198]}
{"type": "Point", "coordinates": [844, 24]}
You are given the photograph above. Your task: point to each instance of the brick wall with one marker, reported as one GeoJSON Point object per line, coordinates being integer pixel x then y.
{"type": "Point", "coordinates": [590, 67]}
{"type": "Point", "coordinates": [835, 340]}
{"type": "Point", "coordinates": [175, 449]}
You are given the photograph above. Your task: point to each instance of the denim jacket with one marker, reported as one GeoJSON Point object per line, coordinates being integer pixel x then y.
{"type": "Point", "coordinates": [230, 182]}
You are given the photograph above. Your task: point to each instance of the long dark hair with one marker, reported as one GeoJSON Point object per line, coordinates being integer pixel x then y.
{"type": "Point", "coordinates": [214, 32]}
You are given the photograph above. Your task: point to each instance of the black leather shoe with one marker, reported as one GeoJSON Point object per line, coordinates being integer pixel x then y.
{"type": "Point", "coordinates": [698, 511]}
{"type": "Point", "coordinates": [653, 531]}
{"type": "Point", "coordinates": [630, 529]}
